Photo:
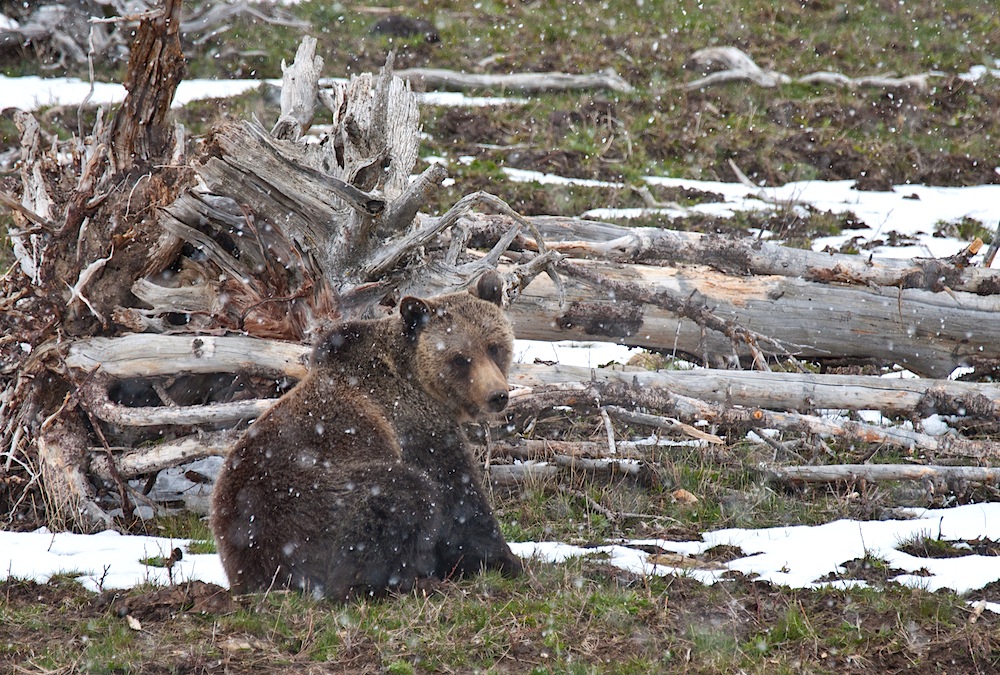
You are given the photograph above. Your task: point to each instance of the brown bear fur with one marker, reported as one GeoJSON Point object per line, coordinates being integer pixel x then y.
{"type": "Point", "coordinates": [359, 480]}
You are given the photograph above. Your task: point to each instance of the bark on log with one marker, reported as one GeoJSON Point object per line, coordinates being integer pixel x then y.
{"type": "Point", "coordinates": [139, 130]}
{"type": "Point", "coordinates": [927, 314]}
{"type": "Point", "coordinates": [62, 455]}
{"type": "Point", "coordinates": [928, 333]}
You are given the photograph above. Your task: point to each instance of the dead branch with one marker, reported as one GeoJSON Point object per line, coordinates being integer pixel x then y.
{"type": "Point", "coordinates": [660, 422]}
{"type": "Point", "coordinates": [516, 474]}
{"type": "Point", "coordinates": [162, 416]}
{"type": "Point", "coordinates": [58, 32]}
{"type": "Point", "coordinates": [299, 92]}
{"type": "Point", "coordinates": [505, 474]}
{"type": "Point", "coordinates": [729, 64]}
{"type": "Point", "coordinates": [216, 17]}
{"type": "Point", "coordinates": [543, 449]}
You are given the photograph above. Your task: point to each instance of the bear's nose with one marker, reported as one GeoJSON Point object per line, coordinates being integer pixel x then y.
{"type": "Point", "coordinates": [497, 401]}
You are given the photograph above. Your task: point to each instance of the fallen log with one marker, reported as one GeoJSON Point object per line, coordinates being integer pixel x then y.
{"type": "Point", "coordinates": [437, 78]}
{"type": "Point", "coordinates": [928, 314]}
{"type": "Point", "coordinates": [856, 473]}
{"type": "Point", "coordinates": [804, 392]}
{"type": "Point", "coordinates": [148, 355]}
{"type": "Point", "coordinates": [135, 462]}
{"type": "Point", "coordinates": [740, 257]}
{"type": "Point", "coordinates": [928, 333]}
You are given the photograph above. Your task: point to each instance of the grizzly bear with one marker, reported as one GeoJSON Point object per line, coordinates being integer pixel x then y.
{"type": "Point", "coordinates": [359, 481]}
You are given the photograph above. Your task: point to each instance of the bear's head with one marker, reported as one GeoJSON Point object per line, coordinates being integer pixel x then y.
{"type": "Point", "coordinates": [463, 345]}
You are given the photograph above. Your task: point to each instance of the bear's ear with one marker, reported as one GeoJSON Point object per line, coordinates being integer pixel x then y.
{"type": "Point", "coordinates": [415, 312]}
{"type": "Point", "coordinates": [490, 287]}
{"type": "Point", "coordinates": [332, 341]}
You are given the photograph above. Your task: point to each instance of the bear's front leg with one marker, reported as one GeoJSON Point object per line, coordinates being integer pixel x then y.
{"type": "Point", "coordinates": [471, 540]}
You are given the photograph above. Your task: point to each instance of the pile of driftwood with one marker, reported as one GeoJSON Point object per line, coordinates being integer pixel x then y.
{"type": "Point", "coordinates": [159, 302]}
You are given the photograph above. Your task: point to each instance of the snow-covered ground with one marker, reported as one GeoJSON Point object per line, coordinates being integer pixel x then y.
{"type": "Point", "coordinates": [31, 92]}
{"type": "Point", "coordinates": [794, 556]}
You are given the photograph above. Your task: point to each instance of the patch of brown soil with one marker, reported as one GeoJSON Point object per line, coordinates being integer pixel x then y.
{"type": "Point", "coordinates": [723, 553]}
{"type": "Point", "coordinates": [874, 572]}
{"type": "Point", "coordinates": [925, 548]}
{"type": "Point", "coordinates": [163, 603]}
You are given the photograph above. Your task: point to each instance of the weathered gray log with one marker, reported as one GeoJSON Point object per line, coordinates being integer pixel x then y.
{"type": "Point", "coordinates": [519, 82]}
{"type": "Point", "coordinates": [741, 257]}
{"type": "Point", "coordinates": [148, 355]}
{"type": "Point", "coordinates": [790, 391]}
{"type": "Point", "coordinates": [135, 462]}
{"type": "Point", "coordinates": [161, 416]}
{"type": "Point", "coordinates": [928, 333]}
{"type": "Point", "coordinates": [882, 472]}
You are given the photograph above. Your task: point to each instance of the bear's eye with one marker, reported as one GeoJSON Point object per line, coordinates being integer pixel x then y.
{"type": "Point", "coordinates": [460, 361]}
{"type": "Point", "coordinates": [493, 351]}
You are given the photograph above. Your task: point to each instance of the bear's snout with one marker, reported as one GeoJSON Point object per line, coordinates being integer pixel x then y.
{"type": "Point", "coordinates": [497, 400]}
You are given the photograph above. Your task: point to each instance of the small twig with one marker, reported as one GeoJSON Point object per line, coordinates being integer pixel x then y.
{"type": "Point", "coordinates": [659, 422]}
{"type": "Point", "coordinates": [127, 507]}
{"type": "Point", "coordinates": [76, 290]}
{"type": "Point", "coordinates": [610, 430]}
{"type": "Point", "coordinates": [130, 18]}
{"type": "Point", "coordinates": [779, 447]}
{"type": "Point", "coordinates": [991, 252]}
{"type": "Point", "coordinates": [29, 215]}
{"type": "Point", "coordinates": [591, 503]}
